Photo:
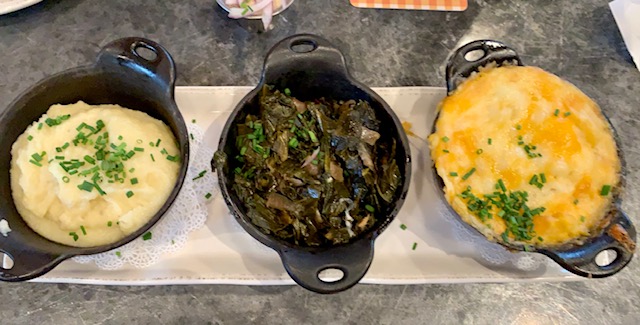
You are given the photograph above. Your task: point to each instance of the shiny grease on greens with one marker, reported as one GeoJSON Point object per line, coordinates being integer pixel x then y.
{"type": "Point", "coordinates": [313, 173]}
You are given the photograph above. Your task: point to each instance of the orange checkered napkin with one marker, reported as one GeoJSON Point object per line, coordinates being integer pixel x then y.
{"type": "Point", "coordinates": [442, 5]}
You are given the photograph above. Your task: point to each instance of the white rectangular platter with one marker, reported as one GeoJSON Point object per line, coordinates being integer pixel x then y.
{"type": "Point", "coordinates": [222, 253]}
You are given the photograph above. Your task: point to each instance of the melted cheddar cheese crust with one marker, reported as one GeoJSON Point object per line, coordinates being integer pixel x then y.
{"type": "Point", "coordinates": [523, 125]}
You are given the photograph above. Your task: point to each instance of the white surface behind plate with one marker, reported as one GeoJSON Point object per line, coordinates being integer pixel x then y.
{"type": "Point", "coordinates": [222, 253]}
{"type": "Point", "coordinates": [7, 6]}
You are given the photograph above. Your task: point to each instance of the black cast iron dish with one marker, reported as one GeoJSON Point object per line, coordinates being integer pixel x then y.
{"type": "Point", "coordinates": [119, 76]}
{"type": "Point", "coordinates": [312, 68]}
{"type": "Point", "coordinates": [617, 233]}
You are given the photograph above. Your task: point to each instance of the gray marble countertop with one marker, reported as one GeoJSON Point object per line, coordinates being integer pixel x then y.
{"type": "Point", "coordinates": [577, 40]}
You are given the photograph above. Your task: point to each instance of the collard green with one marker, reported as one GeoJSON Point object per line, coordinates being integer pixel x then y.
{"type": "Point", "coordinates": [316, 172]}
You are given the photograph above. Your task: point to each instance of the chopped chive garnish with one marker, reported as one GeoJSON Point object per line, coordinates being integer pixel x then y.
{"type": "Point", "coordinates": [540, 238]}
{"type": "Point", "coordinates": [445, 139]}
{"type": "Point", "coordinates": [59, 157]}
{"type": "Point", "coordinates": [454, 174]}
{"type": "Point", "coordinates": [479, 151]}
{"type": "Point", "coordinates": [543, 178]}
{"type": "Point", "coordinates": [237, 170]}
{"type": "Point", "coordinates": [151, 144]}
{"type": "Point", "coordinates": [153, 159]}
{"type": "Point", "coordinates": [201, 174]}
{"type": "Point", "coordinates": [139, 141]}
{"type": "Point", "coordinates": [84, 232]}
{"type": "Point", "coordinates": [138, 149]}
{"type": "Point", "coordinates": [35, 162]}
{"type": "Point", "coordinates": [147, 236]}
{"type": "Point", "coordinates": [533, 180]}
{"type": "Point", "coordinates": [65, 145]}
{"type": "Point", "coordinates": [129, 194]}
{"type": "Point", "coordinates": [29, 138]}
{"type": "Point", "coordinates": [567, 114]}
{"type": "Point", "coordinates": [74, 235]}
{"type": "Point", "coordinates": [518, 127]}
{"type": "Point", "coordinates": [575, 201]}
{"type": "Point", "coordinates": [158, 143]}
{"type": "Point", "coordinates": [369, 208]}
{"type": "Point", "coordinates": [468, 174]}
{"type": "Point", "coordinates": [605, 190]}
{"type": "Point", "coordinates": [556, 112]}
{"type": "Point", "coordinates": [312, 136]}
{"type": "Point", "coordinates": [501, 185]}
{"type": "Point", "coordinates": [414, 246]}
{"type": "Point", "coordinates": [118, 254]}
{"type": "Point", "coordinates": [39, 126]}
{"type": "Point", "coordinates": [86, 186]}
{"type": "Point", "coordinates": [191, 135]}
{"type": "Point", "coordinates": [120, 138]}
{"type": "Point", "coordinates": [489, 141]}
{"type": "Point", "coordinates": [109, 224]}
{"type": "Point", "coordinates": [445, 150]}
{"type": "Point", "coordinates": [173, 158]}
{"type": "Point", "coordinates": [90, 160]}
{"type": "Point", "coordinates": [207, 196]}
{"type": "Point", "coordinates": [36, 157]}
{"type": "Point", "coordinates": [287, 91]}
{"type": "Point", "coordinates": [293, 143]}
{"type": "Point", "coordinates": [193, 121]}
{"type": "Point", "coordinates": [582, 218]}
{"type": "Point", "coordinates": [65, 179]}
{"type": "Point", "coordinates": [134, 181]}
{"type": "Point", "coordinates": [403, 226]}
{"type": "Point", "coordinates": [131, 170]}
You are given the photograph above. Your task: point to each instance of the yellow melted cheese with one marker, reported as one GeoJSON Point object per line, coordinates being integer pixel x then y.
{"type": "Point", "coordinates": [578, 152]}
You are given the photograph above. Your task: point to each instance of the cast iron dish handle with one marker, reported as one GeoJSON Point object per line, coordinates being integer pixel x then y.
{"type": "Point", "coordinates": [619, 236]}
{"type": "Point", "coordinates": [305, 267]}
{"type": "Point", "coordinates": [27, 263]}
{"type": "Point", "coordinates": [460, 68]}
{"type": "Point", "coordinates": [304, 47]}
{"type": "Point", "coordinates": [130, 52]}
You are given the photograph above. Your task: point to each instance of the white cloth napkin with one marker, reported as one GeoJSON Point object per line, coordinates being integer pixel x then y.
{"type": "Point", "coordinates": [627, 16]}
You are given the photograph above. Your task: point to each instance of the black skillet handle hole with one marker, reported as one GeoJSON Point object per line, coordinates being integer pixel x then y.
{"type": "Point", "coordinates": [145, 52]}
{"type": "Point", "coordinates": [606, 257]}
{"type": "Point", "coordinates": [475, 55]}
{"type": "Point", "coordinates": [303, 46]}
{"type": "Point", "coordinates": [7, 261]}
{"type": "Point", "coordinates": [330, 275]}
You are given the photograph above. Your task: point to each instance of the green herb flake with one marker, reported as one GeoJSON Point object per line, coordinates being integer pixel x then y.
{"type": "Point", "coordinates": [40, 126]}
{"type": "Point", "coordinates": [129, 194]}
{"type": "Point", "coordinates": [454, 174]}
{"type": "Point", "coordinates": [403, 226]}
{"type": "Point", "coordinates": [605, 190]}
{"type": "Point", "coordinates": [313, 137]}
{"type": "Point", "coordinates": [556, 112]}
{"type": "Point", "coordinates": [582, 218]}
{"type": "Point", "coordinates": [369, 208]}
{"type": "Point", "coordinates": [479, 151]}
{"type": "Point", "coordinates": [489, 141]}
{"type": "Point", "coordinates": [147, 236]}
{"type": "Point", "coordinates": [158, 142]}
{"type": "Point", "coordinates": [153, 159]}
{"type": "Point", "coordinates": [208, 196]}
{"type": "Point", "coordinates": [84, 232]}
{"type": "Point", "coordinates": [287, 91]}
{"type": "Point", "coordinates": [29, 138]}
{"type": "Point", "coordinates": [415, 245]}
{"type": "Point", "coordinates": [518, 127]}
{"type": "Point", "coordinates": [193, 121]}
{"type": "Point", "coordinates": [468, 174]}
{"type": "Point", "coordinates": [86, 186]}
{"type": "Point", "coordinates": [118, 254]}
{"type": "Point", "coordinates": [66, 179]}
{"type": "Point", "coordinates": [543, 178]}
{"type": "Point", "coordinates": [445, 150]}
{"type": "Point", "coordinates": [445, 139]}
{"type": "Point", "coordinates": [567, 114]}
{"type": "Point", "coordinates": [134, 181]}
{"type": "Point", "coordinates": [575, 201]}
{"type": "Point", "coordinates": [74, 235]}
{"type": "Point", "coordinates": [109, 224]}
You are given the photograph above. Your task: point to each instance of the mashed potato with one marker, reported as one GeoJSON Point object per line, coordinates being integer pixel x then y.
{"type": "Point", "coordinates": [86, 175]}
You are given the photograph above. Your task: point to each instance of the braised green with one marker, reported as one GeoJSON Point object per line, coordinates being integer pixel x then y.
{"type": "Point", "coordinates": [316, 172]}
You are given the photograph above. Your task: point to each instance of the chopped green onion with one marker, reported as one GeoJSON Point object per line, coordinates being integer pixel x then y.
{"type": "Point", "coordinates": [207, 196]}
{"type": "Point", "coordinates": [414, 246]}
{"type": "Point", "coordinates": [158, 143]}
{"type": "Point", "coordinates": [243, 150]}
{"type": "Point", "coordinates": [65, 179]}
{"type": "Point", "coordinates": [489, 141]}
{"type": "Point", "coordinates": [109, 224]}
{"type": "Point", "coordinates": [518, 127]}
{"type": "Point", "coordinates": [173, 158]}
{"type": "Point", "coordinates": [567, 114]}
{"type": "Point", "coordinates": [35, 162]}
{"type": "Point", "coordinates": [575, 201]}
{"type": "Point", "coordinates": [312, 135]}
{"type": "Point", "coordinates": [543, 178]}
{"type": "Point", "coordinates": [84, 232]}
{"type": "Point", "coordinates": [39, 126]}
{"type": "Point", "coordinates": [29, 138]}
{"type": "Point", "coordinates": [287, 91]}
{"type": "Point", "coordinates": [445, 139]}
{"type": "Point", "coordinates": [468, 174]}
{"type": "Point", "coordinates": [403, 226]}
{"type": "Point", "coordinates": [582, 218]}
{"type": "Point", "coordinates": [445, 150]}
{"type": "Point", "coordinates": [479, 151]}
{"type": "Point", "coordinates": [193, 121]}
{"type": "Point", "coordinates": [134, 181]}
{"type": "Point", "coordinates": [74, 235]}
{"type": "Point", "coordinates": [454, 174]}
{"type": "Point", "coordinates": [293, 142]}
{"type": "Point", "coordinates": [118, 254]}
{"type": "Point", "coordinates": [36, 157]}
{"type": "Point", "coordinates": [557, 111]}
{"type": "Point", "coordinates": [120, 137]}
{"type": "Point", "coordinates": [369, 208]}
{"type": "Point", "coordinates": [129, 194]}
{"type": "Point", "coordinates": [90, 160]}
{"type": "Point", "coordinates": [86, 186]}
{"type": "Point", "coordinates": [153, 159]}
{"type": "Point", "coordinates": [605, 190]}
